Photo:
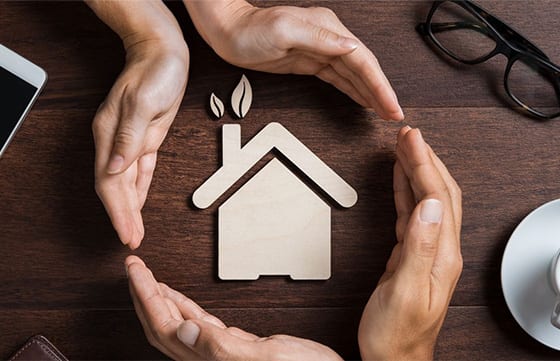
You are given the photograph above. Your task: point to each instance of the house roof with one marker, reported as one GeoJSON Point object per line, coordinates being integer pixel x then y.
{"type": "Point", "coordinates": [274, 135]}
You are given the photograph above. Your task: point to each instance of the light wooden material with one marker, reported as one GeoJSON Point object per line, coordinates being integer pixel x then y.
{"type": "Point", "coordinates": [217, 106]}
{"type": "Point", "coordinates": [274, 224]}
{"type": "Point", "coordinates": [242, 97]}
{"type": "Point", "coordinates": [237, 161]}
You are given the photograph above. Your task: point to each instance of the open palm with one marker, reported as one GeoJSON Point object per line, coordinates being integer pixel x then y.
{"type": "Point", "coordinates": [129, 128]}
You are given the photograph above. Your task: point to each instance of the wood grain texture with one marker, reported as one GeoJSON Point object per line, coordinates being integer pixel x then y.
{"type": "Point", "coordinates": [62, 265]}
{"type": "Point", "coordinates": [469, 333]}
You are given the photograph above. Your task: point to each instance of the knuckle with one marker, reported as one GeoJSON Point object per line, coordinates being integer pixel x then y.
{"type": "Point", "coordinates": [453, 266]}
{"type": "Point", "coordinates": [440, 192]}
{"type": "Point", "coordinates": [278, 21]}
{"type": "Point", "coordinates": [125, 136]}
{"type": "Point", "coordinates": [161, 332]}
{"type": "Point", "coordinates": [458, 192]}
{"type": "Point", "coordinates": [105, 188]}
{"type": "Point", "coordinates": [235, 329]}
{"type": "Point", "coordinates": [279, 25]}
{"type": "Point", "coordinates": [137, 98]}
{"type": "Point", "coordinates": [457, 267]}
{"type": "Point", "coordinates": [378, 87]}
{"type": "Point", "coordinates": [425, 247]}
{"type": "Point", "coordinates": [370, 66]}
{"type": "Point", "coordinates": [96, 127]}
{"type": "Point", "coordinates": [364, 64]}
{"type": "Point", "coordinates": [322, 34]}
{"type": "Point", "coordinates": [99, 126]}
{"type": "Point", "coordinates": [147, 170]}
{"type": "Point", "coordinates": [324, 12]}
{"type": "Point", "coordinates": [327, 12]}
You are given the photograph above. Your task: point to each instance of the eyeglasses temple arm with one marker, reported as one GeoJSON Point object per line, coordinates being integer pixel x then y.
{"type": "Point", "coordinates": [506, 31]}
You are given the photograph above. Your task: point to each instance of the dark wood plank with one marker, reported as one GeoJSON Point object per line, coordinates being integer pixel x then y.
{"type": "Point", "coordinates": [469, 333]}
{"type": "Point", "coordinates": [487, 333]}
{"type": "Point", "coordinates": [82, 56]}
{"type": "Point", "coordinates": [61, 267]}
{"type": "Point", "coordinates": [118, 335]}
{"type": "Point", "coordinates": [52, 217]}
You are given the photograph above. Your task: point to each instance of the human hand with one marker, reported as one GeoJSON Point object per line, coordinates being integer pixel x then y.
{"type": "Point", "coordinates": [132, 122]}
{"type": "Point", "coordinates": [130, 126]}
{"type": "Point", "coordinates": [403, 317]}
{"type": "Point", "coordinates": [182, 330]}
{"type": "Point", "coordinates": [287, 39]}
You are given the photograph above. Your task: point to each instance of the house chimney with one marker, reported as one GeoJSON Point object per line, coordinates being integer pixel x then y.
{"type": "Point", "coordinates": [231, 142]}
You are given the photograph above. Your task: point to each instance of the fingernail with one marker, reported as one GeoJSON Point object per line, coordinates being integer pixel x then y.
{"type": "Point", "coordinates": [398, 118]}
{"type": "Point", "coordinates": [115, 164]}
{"type": "Point", "coordinates": [401, 114]}
{"type": "Point", "coordinates": [348, 43]}
{"type": "Point", "coordinates": [431, 211]}
{"type": "Point", "coordinates": [188, 333]}
{"type": "Point", "coordinates": [407, 128]}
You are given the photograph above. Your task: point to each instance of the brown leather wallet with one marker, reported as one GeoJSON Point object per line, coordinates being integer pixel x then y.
{"type": "Point", "coordinates": [38, 348]}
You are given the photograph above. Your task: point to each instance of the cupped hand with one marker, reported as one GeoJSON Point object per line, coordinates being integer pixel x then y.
{"type": "Point", "coordinates": [311, 41]}
{"type": "Point", "coordinates": [130, 126]}
{"type": "Point", "coordinates": [406, 311]}
{"type": "Point", "coordinates": [182, 330]}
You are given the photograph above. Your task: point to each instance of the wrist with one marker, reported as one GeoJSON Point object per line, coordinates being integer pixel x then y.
{"type": "Point", "coordinates": [214, 19]}
{"type": "Point", "coordinates": [162, 30]}
{"type": "Point", "coordinates": [151, 43]}
{"type": "Point", "coordinates": [386, 352]}
{"type": "Point", "coordinates": [153, 48]}
{"type": "Point", "coordinates": [136, 22]}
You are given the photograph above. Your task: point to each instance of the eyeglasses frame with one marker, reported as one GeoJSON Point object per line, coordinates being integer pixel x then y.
{"type": "Point", "coordinates": [509, 43]}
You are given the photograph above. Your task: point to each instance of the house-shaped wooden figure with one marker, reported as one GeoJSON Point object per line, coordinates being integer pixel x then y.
{"type": "Point", "coordinates": [274, 224]}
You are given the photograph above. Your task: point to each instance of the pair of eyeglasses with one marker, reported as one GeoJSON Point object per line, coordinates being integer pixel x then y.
{"type": "Point", "coordinates": [471, 35]}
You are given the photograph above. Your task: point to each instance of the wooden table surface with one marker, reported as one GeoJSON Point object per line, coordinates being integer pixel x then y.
{"type": "Point", "coordinates": [61, 267]}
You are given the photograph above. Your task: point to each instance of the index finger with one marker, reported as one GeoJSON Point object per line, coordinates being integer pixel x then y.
{"type": "Point", "coordinates": [120, 199]}
{"type": "Point", "coordinates": [454, 190]}
{"type": "Point", "coordinates": [363, 70]}
{"type": "Point", "coordinates": [427, 182]}
{"type": "Point", "coordinates": [145, 289]}
{"type": "Point", "coordinates": [117, 192]}
{"type": "Point", "coordinates": [153, 310]}
{"type": "Point", "coordinates": [414, 156]}
{"type": "Point", "coordinates": [366, 67]}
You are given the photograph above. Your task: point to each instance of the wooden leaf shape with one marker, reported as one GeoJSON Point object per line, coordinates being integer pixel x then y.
{"type": "Point", "coordinates": [242, 97]}
{"type": "Point", "coordinates": [217, 106]}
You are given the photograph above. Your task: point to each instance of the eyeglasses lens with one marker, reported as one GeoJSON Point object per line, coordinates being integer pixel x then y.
{"type": "Point", "coordinates": [535, 85]}
{"type": "Point", "coordinates": [460, 32]}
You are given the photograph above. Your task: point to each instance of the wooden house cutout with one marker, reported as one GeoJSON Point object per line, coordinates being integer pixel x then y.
{"type": "Point", "coordinates": [274, 224]}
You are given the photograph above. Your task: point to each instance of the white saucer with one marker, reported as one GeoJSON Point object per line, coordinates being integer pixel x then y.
{"type": "Point", "coordinates": [525, 267]}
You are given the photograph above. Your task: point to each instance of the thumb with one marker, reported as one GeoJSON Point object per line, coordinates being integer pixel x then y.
{"type": "Point", "coordinates": [316, 39]}
{"type": "Point", "coordinates": [217, 344]}
{"type": "Point", "coordinates": [129, 140]}
{"type": "Point", "coordinates": [421, 241]}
